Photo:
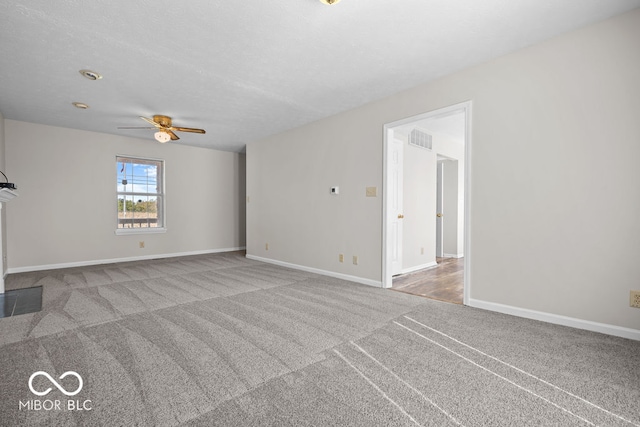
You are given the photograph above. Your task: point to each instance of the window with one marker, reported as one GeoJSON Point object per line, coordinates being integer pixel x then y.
{"type": "Point", "coordinates": [140, 190]}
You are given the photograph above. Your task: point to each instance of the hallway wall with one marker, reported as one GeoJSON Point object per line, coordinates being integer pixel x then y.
{"type": "Point", "coordinates": [542, 118]}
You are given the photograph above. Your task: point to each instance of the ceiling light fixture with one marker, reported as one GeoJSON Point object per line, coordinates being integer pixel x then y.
{"type": "Point", "coordinates": [329, 1]}
{"type": "Point", "coordinates": [91, 75]}
{"type": "Point", "coordinates": [162, 136]}
{"type": "Point", "coordinates": [80, 105]}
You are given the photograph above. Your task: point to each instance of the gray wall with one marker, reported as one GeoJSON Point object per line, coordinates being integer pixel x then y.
{"type": "Point", "coordinates": [451, 210]}
{"type": "Point", "coordinates": [66, 211]}
{"type": "Point", "coordinates": [553, 229]}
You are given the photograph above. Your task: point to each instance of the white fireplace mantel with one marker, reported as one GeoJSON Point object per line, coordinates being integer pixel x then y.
{"type": "Point", "coordinates": [5, 196]}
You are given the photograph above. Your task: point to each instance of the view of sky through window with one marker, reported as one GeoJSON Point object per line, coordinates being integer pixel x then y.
{"type": "Point", "coordinates": [139, 190]}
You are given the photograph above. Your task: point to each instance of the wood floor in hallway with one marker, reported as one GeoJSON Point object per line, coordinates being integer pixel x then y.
{"type": "Point", "coordinates": [444, 282]}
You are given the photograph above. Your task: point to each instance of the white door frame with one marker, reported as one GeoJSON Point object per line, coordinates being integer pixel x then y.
{"type": "Point", "coordinates": [396, 194]}
{"type": "Point", "coordinates": [439, 209]}
{"type": "Point", "coordinates": [387, 279]}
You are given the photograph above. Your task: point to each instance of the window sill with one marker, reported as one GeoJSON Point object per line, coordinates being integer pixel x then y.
{"type": "Point", "coordinates": [125, 231]}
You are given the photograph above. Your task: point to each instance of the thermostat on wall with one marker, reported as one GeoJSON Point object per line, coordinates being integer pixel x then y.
{"type": "Point", "coordinates": [335, 190]}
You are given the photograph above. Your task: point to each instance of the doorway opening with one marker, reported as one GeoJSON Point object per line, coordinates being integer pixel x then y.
{"type": "Point", "coordinates": [426, 198]}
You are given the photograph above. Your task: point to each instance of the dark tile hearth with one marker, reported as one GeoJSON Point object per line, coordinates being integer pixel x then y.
{"type": "Point", "coordinates": [21, 301]}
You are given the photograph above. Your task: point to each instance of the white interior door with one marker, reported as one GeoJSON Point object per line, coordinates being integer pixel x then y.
{"type": "Point", "coordinates": [439, 210]}
{"type": "Point", "coordinates": [396, 215]}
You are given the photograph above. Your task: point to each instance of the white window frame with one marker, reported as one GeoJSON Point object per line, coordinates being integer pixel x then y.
{"type": "Point", "coordinates": [160, 194]}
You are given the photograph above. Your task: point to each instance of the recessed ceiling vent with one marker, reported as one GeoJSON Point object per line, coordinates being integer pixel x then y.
{"type": "Point", "coordinates": [420, 139]}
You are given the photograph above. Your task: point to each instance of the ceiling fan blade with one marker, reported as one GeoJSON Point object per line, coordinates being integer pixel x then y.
{"type": "Point", "coordinates": [135, 127]}
{"type": "Point", "coordinates": [158, 125]}
{"type": "Point", "coordinates": [193, 130]}
{"type": "Point", "coordinates": [174, 137]}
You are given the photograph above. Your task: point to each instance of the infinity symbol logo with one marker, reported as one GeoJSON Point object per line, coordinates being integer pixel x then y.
{"type": "Point", "coordinates": [43, 393]}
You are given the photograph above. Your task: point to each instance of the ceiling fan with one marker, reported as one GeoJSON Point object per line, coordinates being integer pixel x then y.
{"type": "Point", "coordinates": [165, 128]}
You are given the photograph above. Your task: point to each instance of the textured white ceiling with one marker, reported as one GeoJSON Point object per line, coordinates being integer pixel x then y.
{"type": "Point", "coordinates": [247, 69]}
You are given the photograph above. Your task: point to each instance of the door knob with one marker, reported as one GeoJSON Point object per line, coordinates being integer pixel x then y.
{"type": "Point", "coordinates": [400, 216]}
{"type": "Point", "coordinates": [439, 215]}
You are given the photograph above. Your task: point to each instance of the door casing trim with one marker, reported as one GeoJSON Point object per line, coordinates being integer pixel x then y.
{"type": "Point", "coordinates": [386, 177]}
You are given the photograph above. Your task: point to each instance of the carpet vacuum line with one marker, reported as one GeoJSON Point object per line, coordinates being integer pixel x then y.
{"type": "Point", "coordinates": [496, 374]}
{"type": "Point", "coordinates": [377, 388]}
{"type": "Point", "coordinates": [524, 372]}
{"type": "Point", "coordinates": [431, 402]}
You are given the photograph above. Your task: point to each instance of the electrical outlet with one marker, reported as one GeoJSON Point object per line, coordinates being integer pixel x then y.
{"type": "Point", "coordinates": [634, 299]}
{"type": "Point", "coordinates": [141, 244]}
{"type": "Point", "coordinates": [266, 246]}
{"type": "Point", "coordinates": [421, 251]}
{"type": "Point", "coordinates": [355, 260]}
{"type": "Point", "coordinates": [341, 257]}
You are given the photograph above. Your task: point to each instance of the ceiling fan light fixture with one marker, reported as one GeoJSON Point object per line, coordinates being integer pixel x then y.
{"type": "Point", "coordinates": [165, 131]}
{"type": "Point", "coordinates": [162, 136]}
{"type": "Point", "coordinates": [329, 1]}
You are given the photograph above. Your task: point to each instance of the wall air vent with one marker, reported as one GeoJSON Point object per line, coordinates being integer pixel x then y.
{"type": "Point", "coordinates": [420, 139]}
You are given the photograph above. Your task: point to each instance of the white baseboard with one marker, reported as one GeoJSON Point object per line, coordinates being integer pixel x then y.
{"type": "Point", "coordinates": [452, 255]}
{"type": "Point", "coordinates": [356, 279]}
{"type": "Point", "coordinates": [618, 331]}
{"type": "Point", "coordinates": [115, 260]}
{"type": "Point", "coordinates": [419, 267]}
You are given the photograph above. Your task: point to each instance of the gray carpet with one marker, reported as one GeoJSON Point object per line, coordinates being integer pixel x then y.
{"type": "Point", "coordinates": [223, 340]}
